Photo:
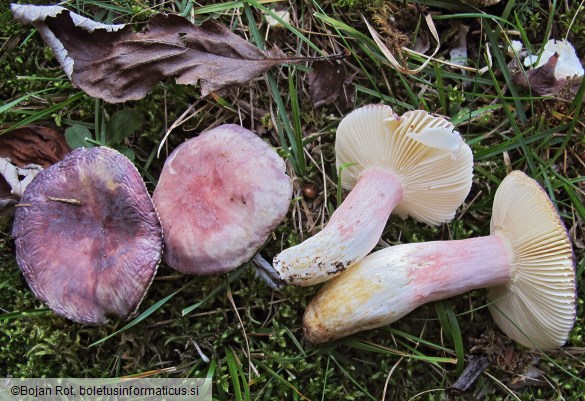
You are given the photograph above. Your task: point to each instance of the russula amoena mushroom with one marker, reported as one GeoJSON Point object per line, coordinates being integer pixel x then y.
{"type": "Point", "coordinates": [526, 262]}
{"type": "Point", "coordinates": [219, 197]}
{"type": "Point", "coordinates": [568, 64]}
{"type": "Point", "coordinates": [557, 72]}
{"type": "Point", "coordinates": [415, 165]}
{"type": "Point", "coordinates": [88, 239]}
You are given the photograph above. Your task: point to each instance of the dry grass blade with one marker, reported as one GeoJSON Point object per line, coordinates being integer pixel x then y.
{"type": "Point", "coordinates": [395, 64]}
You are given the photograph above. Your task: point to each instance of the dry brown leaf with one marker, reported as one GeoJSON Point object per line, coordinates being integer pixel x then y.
{"type": "Point", "coordinates": [116, 64]}
{"type": "Point", "coordinates": [328, 83]}
{"type": "Point", "coordinates": [23, 153]}
{"type": "Point", "coordinates": [13, 182]}
{"type": "Point", "coordinates": [33, 145]}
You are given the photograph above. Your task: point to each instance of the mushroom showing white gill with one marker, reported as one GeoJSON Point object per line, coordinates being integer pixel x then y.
{"type": "Point", "coordinates": [557, 72]}
{"type": "Point", "coordinates": [567, 65]}
{"type": "Point", "coordinates": [526, 262]}
{"type": "Point", "coordinates": [415, 165]}
{"type": "Point", "coordinates": [219, 197]}
{"type": "Point", "coordinates": [88, 239]}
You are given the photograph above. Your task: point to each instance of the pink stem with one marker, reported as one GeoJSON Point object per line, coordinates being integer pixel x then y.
{"type": "Point", "coordinates": [447, 268]}
{"type": "Point", "coordinates": [390, 283]}
{"type": "Point", "coordinates": [366, 209]}
{"type": "Point", "coordinates": [352, 232]}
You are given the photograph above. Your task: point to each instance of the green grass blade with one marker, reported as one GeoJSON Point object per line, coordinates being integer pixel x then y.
{"type": "Point", "coordinates": [467, 115]}
{"type": "Point", "coordinates": [326, 375]}
{"type": "Point", "coordinates": [348, 29]}
{"type": "Point", "coordinates": [481, 16]}
{"type": "Point", "coordinates": [503, 67]}
{"type": "Point", "coordinates": [393, 352]}
{"type": "Point", "coordinates": [143, 315]}
{"type": "Point", "coordinates": [457, 338]}
{"type": "Point", "coordinates": [297, 127]}
{"type": "Point", "coordinates": [7, 106]}
{"type": "Point", "coordinates": [362, 42]}
{"type": "Point", "coordinates": [295, 153]}
{"type": "Point", "coordinates": [286, 24]}
{"type": "Point", "coordinates": [339, 194]}
{"type": "Point", "coordinates": [235, 370]}
{"type": "Point", "coordinates": [279, 378]}
{"type": "Point", "coordinates": [519, 135]}
{"type": "Point", "coordinates": [230, 279]}
{"type": "Point", "coordinates": [451, 329]}
{"type": "Point", "coordinates": [386, 99]}
{"type": "Point", "coordinates": [352, 379]}
{"type": "Point", "coordinates": [416, 339]}
{"type": "Point", "coordinates": [46, 112]}
{"type": "Point", "coordinates": [510, 144]}
{"type": "Point", "coordinates": [440, 86]}
{"type": "Point", "coordinates": [282, 115]}
{"type": "Point", "coordinates": [24, 314]}
{"type": "Point", "coordinates": [294, 340]}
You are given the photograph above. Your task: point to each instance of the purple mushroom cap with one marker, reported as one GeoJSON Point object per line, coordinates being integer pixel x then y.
{"type": "Point", "coordinates": [219, 196]}
{"type": "Point", "coordinates": [88, 238]}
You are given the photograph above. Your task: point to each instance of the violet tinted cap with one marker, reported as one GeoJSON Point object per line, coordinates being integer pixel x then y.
{"type": "Point", "coordinates": [88, 239]}
{"type": "Point", "coordinates": [219, 196]}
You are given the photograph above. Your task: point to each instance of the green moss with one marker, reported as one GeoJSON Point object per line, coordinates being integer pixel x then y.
{"type": "Point", "coordinates": [29, 346]}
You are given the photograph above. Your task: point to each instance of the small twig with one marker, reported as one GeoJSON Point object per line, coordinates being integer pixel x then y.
{"type": "Point", "coordinates": [466, 208]}
{"type": "Point", "coordinates": [204, 357]}
{"type": "Point", "coordinates": [75, 202]}
{"type": "Point", "coordinates": [474, 369]}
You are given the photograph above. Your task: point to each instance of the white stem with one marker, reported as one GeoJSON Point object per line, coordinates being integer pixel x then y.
{"type": "Point", "coordinates": [352, 232]}
{"type": "Point", "coordinates": [392, 282]}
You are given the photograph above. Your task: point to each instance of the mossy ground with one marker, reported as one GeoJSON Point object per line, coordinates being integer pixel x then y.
{"type": "Point", "coordinates": [267, 357]}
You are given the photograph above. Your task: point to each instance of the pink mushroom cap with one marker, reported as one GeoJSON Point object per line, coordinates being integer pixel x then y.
{"type": "Point", "coordinates": [219, 196]}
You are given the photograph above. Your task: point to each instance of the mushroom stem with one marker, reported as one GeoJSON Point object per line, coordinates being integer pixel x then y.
{"type": "Point", "coordinates": [390, 283]}
{"type": "Point", "coordinates": [266, 273]}
{"type": "Point", "coordinates": [442, 269]}
{"type": "Point", "coordinates": [527, 263]}
{"type": "Point", "coordinates": [352, 232]}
